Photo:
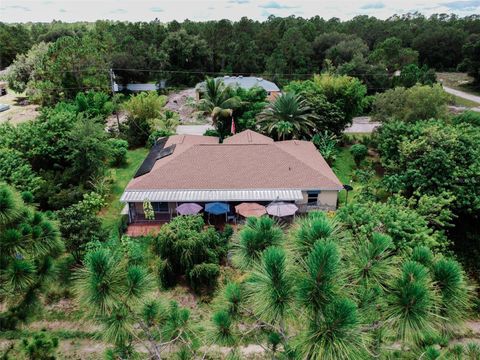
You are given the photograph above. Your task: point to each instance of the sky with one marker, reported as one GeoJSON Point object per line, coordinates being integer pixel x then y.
{"type": "Point", "coordinates": [89, 10]}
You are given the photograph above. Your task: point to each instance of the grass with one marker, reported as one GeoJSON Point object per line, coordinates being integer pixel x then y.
{"type": "Point", "coordinates": [343, 167]}
{"type": "Point", "coordinates": [464, 102]}
{"type": "Point", "coordinates": [121, 176]}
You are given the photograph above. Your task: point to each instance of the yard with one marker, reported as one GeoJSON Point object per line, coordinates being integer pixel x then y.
{"type": "Point", "coordinates": [459, 81]}
{"type": "Point", "coordinates": [458, 101]}
{"type": "Point", "coordinates": [17, 113]}
{"type": "Point", "coordinates": [120, 178]}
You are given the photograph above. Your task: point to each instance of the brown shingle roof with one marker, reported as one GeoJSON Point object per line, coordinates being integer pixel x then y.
{"type": "Point", "coordinates": [204, 164]}
{"type": "Point", "coordinates": [248, 137]}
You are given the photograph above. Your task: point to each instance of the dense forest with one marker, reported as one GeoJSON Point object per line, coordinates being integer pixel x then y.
{"type": "Point", "coordinates": [392, 274]}
{"type": "Point", "coordinates": [279, 48]}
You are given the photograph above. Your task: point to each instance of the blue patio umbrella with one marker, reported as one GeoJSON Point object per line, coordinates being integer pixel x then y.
{"type": "Point", "coordinates": [217, 208]}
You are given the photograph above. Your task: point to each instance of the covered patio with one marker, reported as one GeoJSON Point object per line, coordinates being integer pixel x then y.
{"type": "Point", "coordinates": [169, 203]}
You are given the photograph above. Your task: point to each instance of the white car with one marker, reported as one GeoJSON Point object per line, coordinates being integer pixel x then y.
{"type": "Point", "coordinates": [4, 107]}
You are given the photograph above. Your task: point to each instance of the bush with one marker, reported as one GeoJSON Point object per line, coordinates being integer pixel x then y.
{"type": "Point", "coordinates": [155, 135]}
{"type": "Point", "coordinates": [467, 117]}
{"type": "Point", "coordinates": [41, 346]}
{"type": "Point", "coordinates": [142, 110]}
{"type": "Point", "coordinates": [211, 132]}
{"type": "Point", "coordinates": [204, 276]}
{"type": "Point", "coordinates": [359, 153]}
{"type": "Point", "coordinates": [326, 143]}
{"type": "Point", "coordinates": [79, 225]}
{"type": "Point", "coordinates": [118, 151]}
{"type": "Point", "coordinates": [182, 244]}
{"type": "Point", "coordinates": [420, 102]}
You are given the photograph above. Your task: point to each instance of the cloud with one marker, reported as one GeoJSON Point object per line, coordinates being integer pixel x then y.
{"type": "Point", "coordinates": [276, 5]}
{"type": "Point", "coordinates": [62, 10]}
{"type": "Point", "coordinates": [118, 11]}
{"type": "Point", "coordinates": [156, 9]}
{"type": "Point", "coordinates": [463, 5]}
{"type": "Point", "coordinates": [265, 13]}
{"type": "Point", "coordinates": [238, 1]}
{"type": "Point", "coordinates": [211, 8]}
{"type": "Point", "coordinates": [18, 7]}
{"type": "Point", "coordinates": [373, 6]}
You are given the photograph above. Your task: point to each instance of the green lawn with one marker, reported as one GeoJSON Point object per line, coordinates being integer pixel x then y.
{"type": "Point", "coordinates": [343, 168]}
{"type": "Point", "coordinates": [121, 176]}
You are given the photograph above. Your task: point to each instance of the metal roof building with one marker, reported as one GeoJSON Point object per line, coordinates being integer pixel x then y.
{"type": "Point", "coordinates": [245, 82]}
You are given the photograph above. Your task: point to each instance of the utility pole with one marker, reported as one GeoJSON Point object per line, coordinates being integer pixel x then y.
{"type": "Point", "coordinates": [112, 87]}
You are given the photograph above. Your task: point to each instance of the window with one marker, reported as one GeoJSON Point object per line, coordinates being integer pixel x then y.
{"type": "Point", "coordinates": [312, 197]}
{"type": "Point", "coordinates": [160, 207]}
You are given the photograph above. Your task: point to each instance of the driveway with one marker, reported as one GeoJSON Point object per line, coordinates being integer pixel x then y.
{"type": "Point", "coordinates": [193, 129]}
{"type": "Point", "coordinates": [462, 94]}
{"type": "Point", "coordinates": [362, 124]}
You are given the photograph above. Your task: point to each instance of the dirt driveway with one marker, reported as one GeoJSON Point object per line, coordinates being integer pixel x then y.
{"type": "Point", "coordinates": [18, 112]}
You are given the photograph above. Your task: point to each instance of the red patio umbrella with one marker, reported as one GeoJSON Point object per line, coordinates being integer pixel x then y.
{"type": "Point", "coordinates": [250, 209]}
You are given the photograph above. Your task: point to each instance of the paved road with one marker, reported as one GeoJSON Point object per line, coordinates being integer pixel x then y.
{"type": "Point", "coordinates": [361, 124]}
{"type": "Point", "coordinates": [193, 129]}
{"type": "Point", "coordinates": [462, 94]}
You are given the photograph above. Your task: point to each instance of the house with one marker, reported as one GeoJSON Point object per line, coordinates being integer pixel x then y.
{"type": "Point", "coordinates": [245, 82]}
{"type": "Point", "coordinates": [246, 167]}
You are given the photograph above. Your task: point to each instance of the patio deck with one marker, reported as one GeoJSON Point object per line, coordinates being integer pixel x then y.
{"type": "Point", "coordinates": [144, 228]}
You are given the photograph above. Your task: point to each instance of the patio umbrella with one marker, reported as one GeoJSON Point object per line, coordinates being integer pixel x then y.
{"type": "Point", "coordinates": [250, 209]}
{"type": "Point", "coordinates": [217, 208]}
{"type": "Point", "coordinates": [189, 209]}
{"type": "Point", "coordinates": [281, 209]}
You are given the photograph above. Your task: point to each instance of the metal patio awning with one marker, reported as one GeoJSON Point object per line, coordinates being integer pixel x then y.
{"type": "Point", "coordinates": [211, 195]}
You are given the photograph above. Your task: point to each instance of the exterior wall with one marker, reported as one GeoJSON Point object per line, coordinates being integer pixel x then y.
{"type": "Point", "coordinates": [327, 200]}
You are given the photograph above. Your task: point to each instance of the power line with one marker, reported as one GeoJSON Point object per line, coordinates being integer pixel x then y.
{"type": "Point", "coordinates": [203, 72]}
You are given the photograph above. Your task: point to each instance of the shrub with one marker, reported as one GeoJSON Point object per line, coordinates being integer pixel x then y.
{"type": "Point", "coordinates": [467, 117]}
{"type": "Point", "coordinates": [155, 135]}
{"type": "Point", "coordinates": [326, 143]}
{"type": "Point", "coordinates": [79, 225]}
{"type": "Point", "coordinates": [211, 132]}
{"type": "Point", "coordinates": [183, 244]}
{"type": "Point", "coordinates": [420, 102]}
{"type": "Point", "coordinates": [118, 151]}
{"type": "Point", "coordinates": [204, 276]}
{"type": "Point", "coordinates": [41, 346]}
{"type": "Point", "coordinates": [359, 153]}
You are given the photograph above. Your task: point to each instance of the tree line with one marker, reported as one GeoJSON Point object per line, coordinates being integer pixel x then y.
{"type": "Point", "coordinates": [281, 48]}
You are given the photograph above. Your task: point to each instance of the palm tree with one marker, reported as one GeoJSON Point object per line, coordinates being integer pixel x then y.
{"type": "Point", "coordinates": [217, 100]}
{"type": "Point", "coordinates": [287, 108]}
{"type": "Point", "coordinates": [283, 128]}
